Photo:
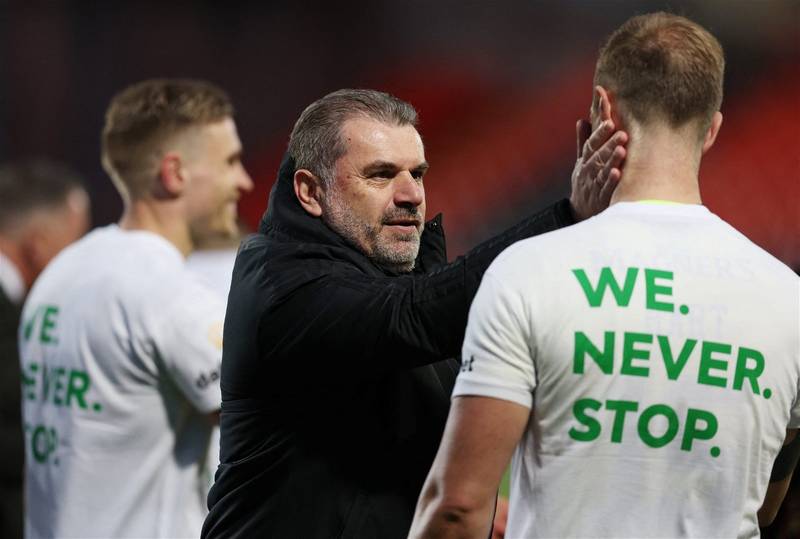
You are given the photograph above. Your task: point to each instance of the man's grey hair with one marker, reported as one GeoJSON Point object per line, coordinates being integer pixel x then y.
{"type": "Point", "coordinates": [31, 185]}
{"type": "Point", "coordinates": [315, 142]}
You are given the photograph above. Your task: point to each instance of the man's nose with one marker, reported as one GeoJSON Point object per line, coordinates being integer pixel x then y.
{"type": "Point", "coordinates": [244, 182]}
{"type": "Point", "coordinates": [408, 190]}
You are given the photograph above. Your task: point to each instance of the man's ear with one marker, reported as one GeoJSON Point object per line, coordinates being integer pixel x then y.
{"type": "Point", "coordinates": [713, 131]}
{"type": "Point", "coordinates": [172, 177]}
{"type": "Point", "coordinates": [308, 190]}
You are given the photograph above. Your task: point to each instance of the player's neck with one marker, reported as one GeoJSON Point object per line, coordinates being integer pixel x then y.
{"type": "Point", "coordinates": [160, 218]}
{"type": "Point", "coordinates": [660, 165]}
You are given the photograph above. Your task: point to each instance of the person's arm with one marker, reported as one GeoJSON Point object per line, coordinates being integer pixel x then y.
{"type": "Point", "coordinates": [407, 320]}
{"type": "Point", "coordinates": [459, 494]}
{"type": "Point", "coordinates": [490, 411]}
{"type": "Point", "coordinates": [500, 518]}
{"type": "Point", "coordinates": [782, 471]}
{"type": "Point", "coordinates": [186, 332]}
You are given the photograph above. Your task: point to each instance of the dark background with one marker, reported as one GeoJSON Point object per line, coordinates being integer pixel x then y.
{"type": "Point", "coordinates": [498, 85]}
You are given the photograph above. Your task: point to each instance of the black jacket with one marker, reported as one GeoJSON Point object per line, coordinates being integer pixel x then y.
{"type": "Point", "coordinates": [336, 380]}
{"type": "Point", "coordinates": [11, 442]}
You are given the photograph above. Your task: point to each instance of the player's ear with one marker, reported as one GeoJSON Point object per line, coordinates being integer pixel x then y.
{"type": "Point", "coordinates": [713, 131]}
{"type": "Point", "coordinates": [308, 190]}
{"type": "Point", "coordinates": [172, 177]}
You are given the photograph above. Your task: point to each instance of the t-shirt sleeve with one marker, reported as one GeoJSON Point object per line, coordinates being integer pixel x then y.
{"type": "Point", "coordinates": [794, 415]}
{"type": "Point", "coordinates": [496, 357]}
{"type": "Point", "coordinates": [189, 341]}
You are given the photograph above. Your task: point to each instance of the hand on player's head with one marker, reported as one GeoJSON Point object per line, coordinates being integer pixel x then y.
{"type": "Point", "coordinates": [599, 167]}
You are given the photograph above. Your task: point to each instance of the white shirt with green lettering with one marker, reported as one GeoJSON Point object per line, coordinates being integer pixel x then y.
{"type": "Point", "coordinates": [120, 351]}
{"type": "Point", "coordinates": [659, 352]}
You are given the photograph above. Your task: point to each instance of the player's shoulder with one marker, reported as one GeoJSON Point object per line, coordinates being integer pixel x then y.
{"type": "Point", "coordinates": [127, 251]}
{"type": "Point", "coordinates": [546, 251]}
{"type": "Point", "coordinates": [130, 266]}
{"type": "Point", "coordinates": [768, 267]}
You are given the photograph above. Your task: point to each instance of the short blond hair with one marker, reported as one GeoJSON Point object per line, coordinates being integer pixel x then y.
{"type": "Point", "coordinates": [142, 117]}
{"type": "Point", "coordinates": [663, 67]}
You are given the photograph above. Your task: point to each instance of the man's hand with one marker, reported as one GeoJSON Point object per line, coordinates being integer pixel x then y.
{"type": "Point", "coordinates": [597, 170]}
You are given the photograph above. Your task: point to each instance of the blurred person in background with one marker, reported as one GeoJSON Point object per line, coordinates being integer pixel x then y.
{"type": "Point", "coordinates": [343, 312]}
{"type": "Point", "coordinates": [120, 343]}
{"type": "Point", "coordinates": [212, 261]}
{"type": "Point", "coordinates": [591, 358]}
{"type": "Point", "coordinates": [43, 208]}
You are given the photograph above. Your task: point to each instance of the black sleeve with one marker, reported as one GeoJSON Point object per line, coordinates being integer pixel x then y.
{"type": "Point", "coordinates": [11, 438]}
{"type": "Point", "coordinates": [786, 461]}
{"type": "Point", "coordinates": [354, 326]}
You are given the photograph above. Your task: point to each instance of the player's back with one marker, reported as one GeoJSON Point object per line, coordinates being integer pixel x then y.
{"type": "Point", "coordinates": [113, 443]}
{"type": "Point", "coordinates": [666, 350]}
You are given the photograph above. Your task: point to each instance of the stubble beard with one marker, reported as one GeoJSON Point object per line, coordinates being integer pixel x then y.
{"type": "Point", "coordinates": [366, 237]}
{"type": "Point", "coordinates": [213, 229]}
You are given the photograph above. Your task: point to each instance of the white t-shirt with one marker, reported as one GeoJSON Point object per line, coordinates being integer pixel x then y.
{"type": "Point", "coordinates": [214, 267]}
{"type": "Point", "coordinates": [120, 348]}
{"type": "Point", "coordinates": [660, 399]}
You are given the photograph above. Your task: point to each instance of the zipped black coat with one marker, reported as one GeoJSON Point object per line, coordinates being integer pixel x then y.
{"type": "Point", "coordinates": [337, 374]}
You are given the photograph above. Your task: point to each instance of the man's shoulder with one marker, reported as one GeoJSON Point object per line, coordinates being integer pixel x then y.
{"type": "Point", "coordinates": [766, 261]}
{"type": "Point", "coordinates": [262, 261]}
{"type": "Point", "coordinates": [124, 253]}
{"type": "Point", "coordinates": [543, 253]}
{"type": "Point", "coordinates": [110, 268]}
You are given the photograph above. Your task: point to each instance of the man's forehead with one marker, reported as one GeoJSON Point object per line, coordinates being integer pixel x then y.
{"type": "Point", "coordinates": [372, 140]}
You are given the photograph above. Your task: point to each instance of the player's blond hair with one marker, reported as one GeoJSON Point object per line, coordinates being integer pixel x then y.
{"type": "Point", "coordinates": [142, 117]}
{"type": "Point", "coordinates": [663, 67]}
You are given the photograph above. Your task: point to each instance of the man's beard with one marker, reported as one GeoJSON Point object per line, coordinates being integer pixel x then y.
{"type": "Point", "coordinates": [218, 229]}
{"type": "Point", "coordinates": [366, 236]}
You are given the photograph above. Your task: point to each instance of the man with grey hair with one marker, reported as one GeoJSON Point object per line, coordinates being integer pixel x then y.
{"type": "Point", "coordinates": [43, 208]}
{"type": "Point", "coordinates": [343, 320]}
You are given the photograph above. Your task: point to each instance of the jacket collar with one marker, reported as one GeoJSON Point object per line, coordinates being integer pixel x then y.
{"type": "Point", "coordinates": [286, 220]}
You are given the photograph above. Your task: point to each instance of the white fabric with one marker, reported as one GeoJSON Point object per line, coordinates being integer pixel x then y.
{"type": "Point", "coordinates": [215, 268]}
{"type": "Point", "coordinates": [568, 479]}
{"type": "Point", "coordinates": [11, 280]}
{"type": "Point", "coordinates": [120, 351]}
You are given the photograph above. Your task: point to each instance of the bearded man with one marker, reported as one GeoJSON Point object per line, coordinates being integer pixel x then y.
{"type": "Point", "coordinates": [343, 318]}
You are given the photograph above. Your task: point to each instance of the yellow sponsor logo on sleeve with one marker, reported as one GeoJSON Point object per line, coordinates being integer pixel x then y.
{"type": "Point", "coordinates": [215, 335]}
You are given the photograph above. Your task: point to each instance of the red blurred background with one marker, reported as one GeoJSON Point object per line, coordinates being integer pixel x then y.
{"type": "Point", "coordinates": [498, 86]}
